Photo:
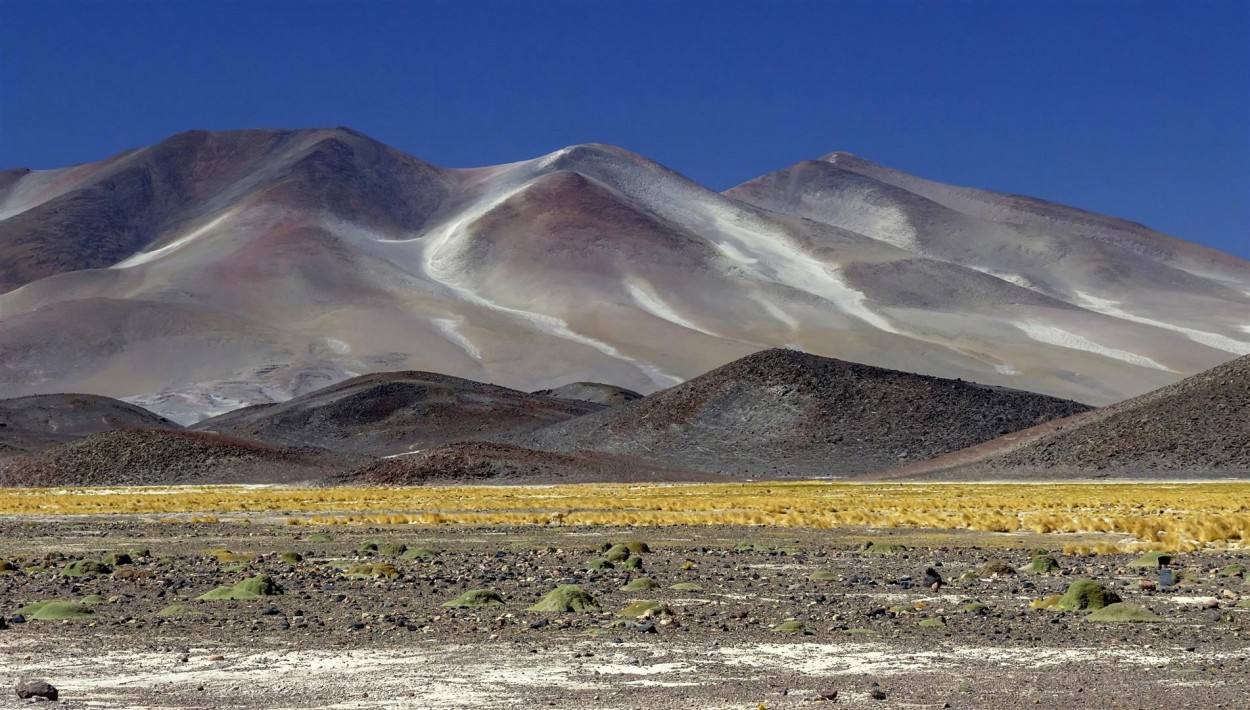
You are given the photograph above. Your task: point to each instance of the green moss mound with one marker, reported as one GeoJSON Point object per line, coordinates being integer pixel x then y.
{"type": "Point", "coordinates": [1043, 563]}
{"type": "Point", "coordinates": [367, 548]}
{"type": "Point", "coordinates": [1151, 559]}
{"type": "Point", "coordinates": [476, 598]}
{"type": "Point", "coordinates": [86, 568]}
{"type": "Point", "coordinates": [1045, 602]}
{"type": "Point", "coordinates": [1125, 613]}
{"type": "Point", "coordinates": [932, 622]}
{"type": "Point", "coordinates": [790, 627]}
{"type": "Point", "coordinates": [225, 556]}
{"type": "Point", "coordinates": [1086, 595]}
{"type": "Point", "coordinates": [751, 547]}
{"type": "Point", "coordinates": [822, 576]}
{"type": "Point", "coordinates": [63, 611]}
{"type": "Point", "coordinates": [686, 587]}
{"type": "Point", "coordinates": [6, 566]}
{"type": "Point", "coordinates": [638, 547]}
{"type": "Point", "coordinates": [320, 537]}
{"type": "Point", "coordinates": [117, 559]}
{"type": "Point", "coordinates": [566, 597]}
{"type": "Point", "coordinates": [1229, 571]}
{"type": "Point", "coordinates": [642, 584]}
{"type": "Point", "coordinates": [423, 554]}
{"type": "Point", "coordinates": [373, 570]}
{"type": "Point", "coordinates": [997, 568]}
{"type": "Point", "coordinates": [140, 552]}
{"type": "Point", "coordinates": [237, 568]}
{"type": "Point", "coordinates": [291, 558]}
{"type": "Point", "coordinates": [180, 611]}
{"type": "Point", "coordinates": [975, 608]}
{"type": "Point", "coordinates": [93, 599]}
{"type": "Point", "coordinates": [599, 563]}
{"type": "Point", "coordinates": [392, 549]}
{"type": "Point", "coordinates": [882, 548]}
{"type": "Point", "coordinates": [639, 608]}
{"type": "Point", "coordinates": [634, 562]}
{"type": "Point", "coordinates": [257, 587]}
{"type": "Point", "coordinates": [617, 553]}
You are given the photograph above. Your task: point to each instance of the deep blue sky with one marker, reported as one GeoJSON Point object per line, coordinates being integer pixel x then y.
{"type": "Point", "coordinates": [1135, 109]}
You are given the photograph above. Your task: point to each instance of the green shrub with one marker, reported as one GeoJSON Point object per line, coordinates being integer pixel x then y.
{"type": "Point", "coordinates": [997, 568]}
{"type": "Point", "coordinates": [599, 563]}
{"type": "Point", "coordinates": [638, 547]}
{"type": "Point", "coordinates": [392, 549]}
{"type": "Point", "coordinates": [822, 576]}
{"type": "Point", "coordinates": [368, 548]}
{"type": "Point", "coordinates": [372, 569]}
{"type": "Point", "coordinates": [139, 552]}
{"type": "Point", "coordinates": [617, 553]}
{"type": "Point", "coordinates": [975, 608]}
{"type": "Point", "coordinates": [291, 558]}
{"type": "Point", "coordinates": [882, 548]}
{"type": "Point", "coordinates": [257, 587]}
{"type": "Point", "coordinates": [1150, 559]}
{"type": "Point", "coordinates": [1086, 595]}
{"type": "Point", "coordinates": [791, 626]}
{"type": "Point", "coordinates": [642, 584]}
{"type": "Point", "coordinates": [1043, 563]}
{"type": "Point", "coordinates": [566, 597]}
{"type": "Point", "coordinates": [476, 598]}
{"type": "Point", "coordinates": [63, 611]}
{"type": "Point", "coordinates": [86, 568]}
{"type": "Point", "coordinates": [179, 611]}
{"type": "Point", "coordinates": [1233, 571]}
{"type": "Point", "coordinates": [320, 537]}
{"type": "Point", "coordinates": [117, 559]}
{"type": "Point", "coordinates": [1121, 612]}
{"type": "Point", "coordinates": [932, 622]}
{"type": "Point", "coordinates": [639, 608]}
{"type": "Point", "coordinates": [634, 562]}
{"type": "Point", "coordinates": [686, 587]}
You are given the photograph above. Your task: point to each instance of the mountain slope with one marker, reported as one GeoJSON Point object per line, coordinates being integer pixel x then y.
{"type": "Point", "coordinates": [38, 421]}
{"type": "Point", "coordinates": [786, 412]}
{"type": "Point", "coordinates": [1200, 425]}
{"type": "Point", "coordinates": [394, 412]}
{"type": "Point", "coordinates": [217, 270]}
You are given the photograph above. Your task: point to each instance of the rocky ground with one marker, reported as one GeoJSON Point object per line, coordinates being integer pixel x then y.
{"type": "Point", "coordinates": [777, 618]}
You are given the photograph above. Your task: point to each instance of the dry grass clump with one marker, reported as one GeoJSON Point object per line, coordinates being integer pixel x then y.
{"type": "Point", "coordinates": [1167, 517]}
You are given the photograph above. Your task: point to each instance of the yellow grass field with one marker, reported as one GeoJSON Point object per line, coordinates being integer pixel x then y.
{"type": "Point", "coordinates": [1155, 516]}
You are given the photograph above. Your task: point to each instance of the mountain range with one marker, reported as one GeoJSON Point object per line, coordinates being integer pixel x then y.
{"type": "Point", "coordinates": [217, 270]}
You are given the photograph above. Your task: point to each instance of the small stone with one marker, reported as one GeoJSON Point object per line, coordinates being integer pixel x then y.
{"type": "Point", "coordinates": [876, 694]}
{"type": "Point", "coordinates": [27, 689]}
{"type": "Point", "coordinates": [830, 694]}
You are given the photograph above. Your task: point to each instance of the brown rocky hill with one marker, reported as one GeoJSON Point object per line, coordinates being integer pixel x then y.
{"type": "Point", "coordinates": [37, 421]}
{"type": "Point", "coordinates": [137, 457]}
{"type": "Point", "coordinates": [781, 412]}
{"type": "Point", "coordinates": [393, 412]}
{"type": "Point", "coordinates": [1198, 426]}
{"type": "Point", "coordinates": [485, 462]}
{"type": "Point", "coordinates": [596, 392]}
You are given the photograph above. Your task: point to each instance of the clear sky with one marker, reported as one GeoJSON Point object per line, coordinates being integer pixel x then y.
{"type": "Point", "coordinates": [1134, 109]}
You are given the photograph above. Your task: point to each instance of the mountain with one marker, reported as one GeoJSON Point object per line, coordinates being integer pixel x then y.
{"type": "Point", "coordinates": [216, 270]}
{"type": "Point", "coordinates": [39, 421]}
{"type": "Point", "coordinates": [489, 462]}
{"type": "Point", "coordinates": [1200, 426]}
{"type": "Point", "coordinates": [143, 457]}
{"type": "Point", "coordinates": [786, 412]}
{"type": "Point", "coordinates": [596, 392]}
{"type": "Point", "coordinates": [394, 412]}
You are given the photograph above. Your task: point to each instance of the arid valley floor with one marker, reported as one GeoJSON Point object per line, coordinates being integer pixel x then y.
{"type": "Point", "coordinates": [774, 616]}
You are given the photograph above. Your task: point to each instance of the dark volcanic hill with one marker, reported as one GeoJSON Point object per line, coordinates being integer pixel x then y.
{"type": "Point", "coordinates": [485, 462]}
{"type": "Point", "coordinates": [1200, 425]}
{"type": "Point", "coordinates": [781, 412]}
{"type": "Point", "coordinates": [394, 412]}
{"type": "Point", "coordinates": [38, 421]}
{"type": "Point", "coordinates": [137, 457]}
{"type": "Point", "coordinates": [596, 392]}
